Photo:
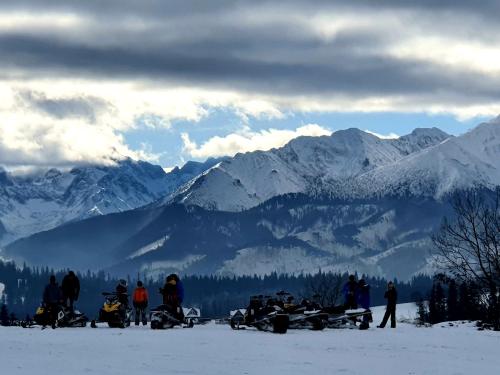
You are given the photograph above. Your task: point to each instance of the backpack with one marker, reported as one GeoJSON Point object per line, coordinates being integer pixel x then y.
{"type": "Point", "coordinates": [140, 295]}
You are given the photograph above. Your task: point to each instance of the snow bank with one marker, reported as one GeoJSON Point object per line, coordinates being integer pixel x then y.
{"type": "Point", "coordinates": [2, 288]}
{"type": "Point", "coordinates": [216, 349]}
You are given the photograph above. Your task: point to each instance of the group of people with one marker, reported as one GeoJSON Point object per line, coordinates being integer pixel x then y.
{"type": "Point", "coordinates": [66, 295]}
{"type": "Point", "coordinates": [172, 295]}
{"type": "Point", "coordinates": [357, 294]}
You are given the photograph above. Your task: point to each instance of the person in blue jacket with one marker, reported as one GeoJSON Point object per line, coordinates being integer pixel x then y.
{"type": "Point", "coordinates": [180, 289]}
{"type": "Point", "coordinates": [364, 302]}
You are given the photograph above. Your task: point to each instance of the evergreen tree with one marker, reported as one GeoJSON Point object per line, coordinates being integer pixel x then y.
{"type": "Point", "coordinates": [494, 309]}
{"type": "Point", "coordinates": [463, 298]}
{"type": "Point", "coordinates": [422, 312]}
{"type": "Point", "coordinates": [4, 315]}
{"type": "Point", "coordinates": [437, 307]}
{"type": "Point", "coordinates": [440, 303]}
{"type": "Point", "coordinates": [452, 301]}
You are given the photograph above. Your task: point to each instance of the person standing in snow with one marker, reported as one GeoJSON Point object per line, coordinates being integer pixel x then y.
{"type": "Point", "coordinates": [140, 301]}
{"type": "Point", "coordinates": [52, 299]}
{"type": "Point", "coordinates": [364, 302]}
{"type": "Point", "coordinates": [173, 294]}
{"type": "Point", "coordinates": [71, 289]}
{"type": "Point", "coordinates": [392, 296]}
{"type": "Point", "coordinates": [172, 291]}
{"type": "Point", "coordinates": [350, 291]}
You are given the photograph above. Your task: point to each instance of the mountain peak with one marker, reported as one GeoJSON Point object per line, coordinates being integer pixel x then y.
{"type": "Point", "coordinates": [431, 132]}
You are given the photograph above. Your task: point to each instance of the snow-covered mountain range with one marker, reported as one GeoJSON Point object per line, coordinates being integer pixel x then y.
{"type": "Point", "coordinates": [303, 165]}
{"type": "Point", "coordinates": [43, 200]}
{"type": "Point", "coordinates": [353, 164]}
{"type": "Point", "coordinates": [349, 201]}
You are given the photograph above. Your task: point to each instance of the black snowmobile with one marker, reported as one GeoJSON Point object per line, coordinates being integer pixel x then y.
{"type": "Point", "coordinates": [114, 312]}
{"type": "Point", "coordinates": [263, 313]}
{"type": "Point", "coordinates": [306, 315]}
{"type": "Point", "coordinates": [339, 317]}
{"type": "Point", "coordinates": [64, 317]}
{"type": "Point", "coordinates": [167, 316]}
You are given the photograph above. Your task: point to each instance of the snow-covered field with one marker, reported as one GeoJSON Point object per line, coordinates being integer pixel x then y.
{"type": "Point", "coordinates": [216, 349]}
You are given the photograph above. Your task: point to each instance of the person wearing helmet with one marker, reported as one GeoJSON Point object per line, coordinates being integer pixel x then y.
{"type": "Point", "coordinates": [140, 302]}
{"type": "Point", "coordinates": [122, 292]}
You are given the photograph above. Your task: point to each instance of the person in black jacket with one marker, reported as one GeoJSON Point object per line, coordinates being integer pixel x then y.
{"type": "Point", "coordinates": [52, 299]}
{"type": "Point", "coordinates": [392, 296]}
{"type": "Point", "coordinates": [71, 289]}
{"type": "Point", "coordinates": [350, 291]}
{"type": "Point", "coordinates": [122, 292]}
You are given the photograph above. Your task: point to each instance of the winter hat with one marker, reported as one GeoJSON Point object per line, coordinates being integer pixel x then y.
{"type": "Point", "coordinates": [52, 279]}
{"type": "Point", "coordinates": [123, 282]}
{"type": "Point", "coordinates": [352, 278]}
{"type": "Point", "coordinates": [362, 282]}
{"type": "Point", "coordinates": [139, 283]}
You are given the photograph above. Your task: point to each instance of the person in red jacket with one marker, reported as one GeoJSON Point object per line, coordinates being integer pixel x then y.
{"type": "Point", "coordinates": [140, 301]}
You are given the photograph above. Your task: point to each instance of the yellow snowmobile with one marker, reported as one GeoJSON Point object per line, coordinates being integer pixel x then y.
{"type": "Point", "coordinates": [114, 312]}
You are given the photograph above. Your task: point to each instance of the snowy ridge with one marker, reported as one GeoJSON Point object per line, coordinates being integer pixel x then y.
{"type": "Point", "coordinates": [302, 165]}
{"type": "Point", "coordinates": [471, 160]}
{"type": "Point", "coordinates": [155, 245]}
{"type": "Point", "coordinates": [353, 164]}
{"type": "Point", "coordinates": [161, 267]}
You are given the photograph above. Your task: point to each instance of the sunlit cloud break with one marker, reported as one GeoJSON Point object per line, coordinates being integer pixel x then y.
{"type": "Point", "coordinates": [247, 140]}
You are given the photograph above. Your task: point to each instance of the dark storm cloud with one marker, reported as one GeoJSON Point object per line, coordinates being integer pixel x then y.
{"type": "Point", "coordinates": [160, 8]}
{"type": "Point", "coordinates": [214, 43]}
{"type": "Point", "coordinates": [87, 108]}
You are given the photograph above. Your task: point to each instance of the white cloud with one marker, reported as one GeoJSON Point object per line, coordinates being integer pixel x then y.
{"type": "Point", "coordinates": [248, 140]}
{"type": "Point", "coordinates": [65, 122]}
{"type": "Point", "coordinates": [146, 153]}
{"type": "Point", "coordinates": [168, 169]}
{"type": "Point", "coordinates": [316, 36]}
{"type": "Point", "coordinates": [383, 136]}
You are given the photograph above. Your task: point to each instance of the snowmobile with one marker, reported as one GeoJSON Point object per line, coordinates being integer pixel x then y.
{"type": "Point", "coordinates": [64, 317]}
{"type": "Point", "coordinates": [263, 313]}
{"type": "Point", "coordinates": [114, 312]}
{"type": "Point", "coordinates": [167, 316]}
{"type": "Point", "coordinates": [307, 315]}
{"type": "Point", "coordinates": [339, 317]}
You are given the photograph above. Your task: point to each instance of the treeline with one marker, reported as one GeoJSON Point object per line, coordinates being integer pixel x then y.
{"type": "Point", "coordinates": [448, 300]}
{"type": "Point", "coordinates": [214, 295]}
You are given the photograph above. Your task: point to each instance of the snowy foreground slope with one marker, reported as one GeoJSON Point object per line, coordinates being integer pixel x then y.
{"type": "Point", "coordinates": [216, 349]}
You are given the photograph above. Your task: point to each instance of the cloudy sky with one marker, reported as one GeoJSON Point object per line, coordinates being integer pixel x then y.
{"type": "Point", "coordinates": [169, 81]}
